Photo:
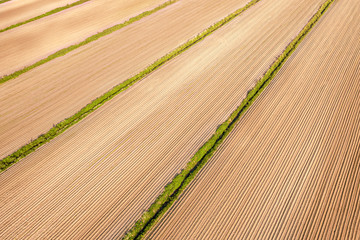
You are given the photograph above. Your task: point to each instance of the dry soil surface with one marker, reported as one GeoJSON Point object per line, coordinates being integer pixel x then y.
{"type": "Point", "coordinates": [16, 11]}
{"type": "Point", "coordinates": [24, 45]}
{"type": "Point", "coordinates": [290, 169]}
{"type": "Point", "coordinates": [33, 102]}
{"type": "Point", "coordinates": [96, 179]}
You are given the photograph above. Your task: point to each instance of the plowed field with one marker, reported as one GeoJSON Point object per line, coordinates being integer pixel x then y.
{"type": "Point", "coordinates": [16, 11]}
{"type": "Point", "coordinates": [290, 168]}
{"type": "Point", "coordinates": [24, 45]}
{"type": "Point", "coordinates": [33, 102]}
{"type": "Point", "coordinates": [97, 178]}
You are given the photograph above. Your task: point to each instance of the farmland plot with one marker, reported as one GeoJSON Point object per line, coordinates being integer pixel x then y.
{"type": "Point", "coordinates": [34, 41]}
{"type": "Point", "coordinates": [290, 168]}
{"type": "Point", "coordinates": [97, 178]}
{"type": "Point", "coordinates": [62, 87]}
{"type": "Point", "coordinates": [16, 11]}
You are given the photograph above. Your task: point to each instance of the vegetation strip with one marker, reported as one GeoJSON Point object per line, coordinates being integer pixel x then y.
{"type": "Point", "coordinates": [56, 10]}
{"type": "Point", "coordinates": [4, 1]}
{"type": "Point", "coordinates": [92, 38]}
{"type": "Point", "coordinates": [173, 190]}
{"type": "Point", "coordinates": [68, 122]}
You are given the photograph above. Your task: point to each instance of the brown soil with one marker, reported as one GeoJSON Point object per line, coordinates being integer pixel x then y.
{"type": "Point", "coordinates": [290, 168]}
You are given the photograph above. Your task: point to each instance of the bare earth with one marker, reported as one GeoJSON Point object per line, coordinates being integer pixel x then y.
{"type": "Point", "coordinates": [33, 102]}
{"type": "Point", "coordinates": [96, 179]}
{"type": "Point", "coordinates": [17, 11]}
{"type": "Point", "coordinates": [290, 168]}
{"type": "Point", "coordinates": [24, 45]}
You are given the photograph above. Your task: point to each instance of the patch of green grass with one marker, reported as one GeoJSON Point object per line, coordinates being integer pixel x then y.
{"type": "Point", "coordinates": [173, 190]}
{"type": "Point", "coordinates": [3, 1]}
{"type": "Point", "coordinates": [92, 38]}
{"type": "Point", "coordinates": [65, 124]}
{"type": "Point", "coordinates": [56, 10]}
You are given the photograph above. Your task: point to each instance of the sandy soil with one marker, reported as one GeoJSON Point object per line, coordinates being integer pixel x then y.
{"type": "Point", "coordinates": [16, 11]}
{"type": "Point", "coordinates": [32, 103]}
{"type": "Point", "coordinates": [96, 179]}
{"type": "Point", "coordinates": [290, 168]}
{"type": "Point", "coordinates": [31, 42]}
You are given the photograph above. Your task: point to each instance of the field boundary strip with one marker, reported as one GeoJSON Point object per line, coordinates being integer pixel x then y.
{"type": "Point", "coordinates": [4, 1]}
{"type": "Point", "coordinates": [95, 104]}
{"type": "Point", "coordinates": [56, 10]}
{"type": "Point", "coordinates": [173, 190]}
{"type": "Point", "coordinates": [90, 39]}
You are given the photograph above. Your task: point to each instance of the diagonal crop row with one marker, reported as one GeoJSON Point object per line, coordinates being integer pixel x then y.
{"type": "Point", "coordinates": [173, 190]}
{"type": "Point", "coordinates": [56, 10]}
{"type": "Point", "coordinates": [92, 38]}
{"type": "Point", "coordinates": [95, 104]}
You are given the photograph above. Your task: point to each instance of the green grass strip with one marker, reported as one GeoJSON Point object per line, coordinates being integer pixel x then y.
{"type": "Point", "coordinates": [65, 124]}
{"type": "Point", "coordinates": [173, 190]}
{"type": "Point", "coordinates": [3, 1]}
{"type": "Point", "coordinates": [92, 38]}
{"type": "Point", "coordinates": [56, 10]}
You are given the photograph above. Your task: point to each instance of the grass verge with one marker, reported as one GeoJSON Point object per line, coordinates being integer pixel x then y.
{"type": "Point", "coordinates": [56, 10]}
{"type": "Point", "coordinates": [3, 1]}
{"type": "Point", "coordinates": [173, 190]}
{"type": "Point", "coordinates": [95, 104]}
{"type": "Point", "coordinates": [92, 38]}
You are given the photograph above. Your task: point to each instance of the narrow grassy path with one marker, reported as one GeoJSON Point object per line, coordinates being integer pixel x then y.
{"type": "Point", "coordinates": [56, 10]}
{"type": "Point", "coordinates": [4, 1]}
{"type": "Point", "coordinates": [90, 39]}
{"type": "Point", "coordinates": [173, 190]}
{"type": "Point", "coordinates": [95, 104]}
